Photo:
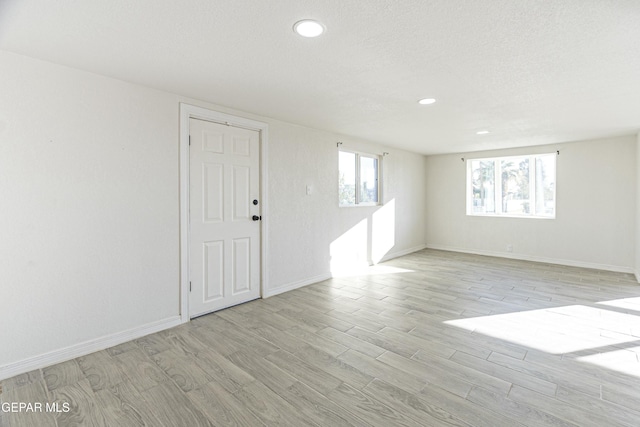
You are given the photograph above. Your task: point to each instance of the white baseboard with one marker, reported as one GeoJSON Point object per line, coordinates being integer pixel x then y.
{"type": "Point", "coordinates": [295, 285]}
{"type": "Point", "coordinates": [84, 348]}
{"type": "Point", "coordinates": [568, 263]}
{"type": "Point", "coordinates": [392, 255]}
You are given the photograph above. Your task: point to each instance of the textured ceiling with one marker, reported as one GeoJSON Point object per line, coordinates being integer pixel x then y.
{"type": "Point", "coordinates": [531, 71]}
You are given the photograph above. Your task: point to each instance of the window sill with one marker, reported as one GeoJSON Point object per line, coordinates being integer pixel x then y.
{"type": "Point", "coordinates": [512, 216]}
{"type": "Point", "coordinates": [361, 205]}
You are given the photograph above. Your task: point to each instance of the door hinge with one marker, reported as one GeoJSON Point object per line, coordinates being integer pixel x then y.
{"type": "Point", "coordinates": [189, 286]}
{"type": "Point", "coordinates": [189, 139]}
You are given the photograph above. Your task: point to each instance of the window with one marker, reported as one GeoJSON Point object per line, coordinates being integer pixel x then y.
{"type": "Point", "coordinates": [512, 186]}
{"type": "Point", "coordinates": [358, 179]}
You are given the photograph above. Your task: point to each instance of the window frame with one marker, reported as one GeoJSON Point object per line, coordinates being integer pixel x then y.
{"type": "Point", "coordinates": [358, 155]}
{"type": "Point", "coordinates": [498, 185]}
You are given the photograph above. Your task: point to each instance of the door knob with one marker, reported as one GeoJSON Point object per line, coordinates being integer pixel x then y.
{"type": "Point", "coordinates": [256, 218]}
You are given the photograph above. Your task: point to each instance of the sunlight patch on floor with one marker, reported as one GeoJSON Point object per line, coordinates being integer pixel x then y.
{"type": "Point", "coordinates": [557, 330]}
{"type": "Point", "coordinates": [626, 361]}
{"type": "Point", "coordinates": [369, 270]}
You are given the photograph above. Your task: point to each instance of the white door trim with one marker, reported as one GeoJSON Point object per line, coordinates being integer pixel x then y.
{"type": "Point", "coordinates": [191, 111]}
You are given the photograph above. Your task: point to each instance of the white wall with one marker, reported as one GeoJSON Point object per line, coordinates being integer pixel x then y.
{"type": "Point", "coordinates": [89, 223]}
{"type": "Point", "coordinates": [303, 227]}
{"type": "Point", "coordinates": [596, 205]}
{"type": "Point", "coordinates": [89, 220]}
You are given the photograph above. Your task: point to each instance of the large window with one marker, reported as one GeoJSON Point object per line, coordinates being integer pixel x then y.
{"type": "Point", "coordinates": [512, 186]}
{"type": "Point", "coordinates": [358, 175]}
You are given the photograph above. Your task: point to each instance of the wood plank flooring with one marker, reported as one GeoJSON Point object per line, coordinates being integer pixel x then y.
{"type": "Point", "coordinates": [430, 339]}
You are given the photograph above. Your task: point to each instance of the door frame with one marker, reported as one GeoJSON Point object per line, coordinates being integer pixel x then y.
{"type": "Point", "coordinates": [188, 112]}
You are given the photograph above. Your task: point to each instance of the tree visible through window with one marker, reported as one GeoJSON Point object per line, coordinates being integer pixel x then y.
{"type": "Point", "coordinates": [357, 179]}
{"type": "Point", "coordinates": [512, 186]}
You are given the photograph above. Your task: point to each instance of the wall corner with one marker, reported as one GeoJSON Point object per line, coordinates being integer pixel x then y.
{"type": "Point", "coordinates": [637, 234]}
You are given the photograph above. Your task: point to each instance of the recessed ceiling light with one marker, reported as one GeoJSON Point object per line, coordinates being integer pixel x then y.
{"type": "Point", "coordinates": [308, 28]}
{"type": "Point", "coordinates": [426, 101]}
{"type": "Point", "coordinates": [482, 132]}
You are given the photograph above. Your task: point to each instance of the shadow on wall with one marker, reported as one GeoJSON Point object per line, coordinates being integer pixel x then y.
{"type": "Point", "coordinates": [366, 243]}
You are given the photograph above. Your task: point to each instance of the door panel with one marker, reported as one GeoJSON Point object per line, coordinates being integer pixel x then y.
{"type": "Point", "coordinates": [213, 142]}
{"type": "Point", "coordinates": [213, 269]}
{"type": "Point", "coordinates": [241, 265]}
{"type": "Point", "coordinates": [213, 191]}
{"type": "Point", "coordinates": [241, 193]}
{"type": "Point", "coordinates": [241, 146]}
{"type": "Point", "coordinates": [224, 239]}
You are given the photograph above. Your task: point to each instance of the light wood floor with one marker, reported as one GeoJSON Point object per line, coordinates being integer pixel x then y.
{"type": "Point", "coordinates": [429, 339]}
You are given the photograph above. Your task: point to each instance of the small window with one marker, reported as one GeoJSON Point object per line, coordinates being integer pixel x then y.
{"type": "Point", "coordinates": [358, 175]}
{"type": "Point", "coordinates": [512, 186]}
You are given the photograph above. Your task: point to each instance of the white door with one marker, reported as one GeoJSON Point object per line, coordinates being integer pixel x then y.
{"type": "Point", "coordinates": [224, 216]}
